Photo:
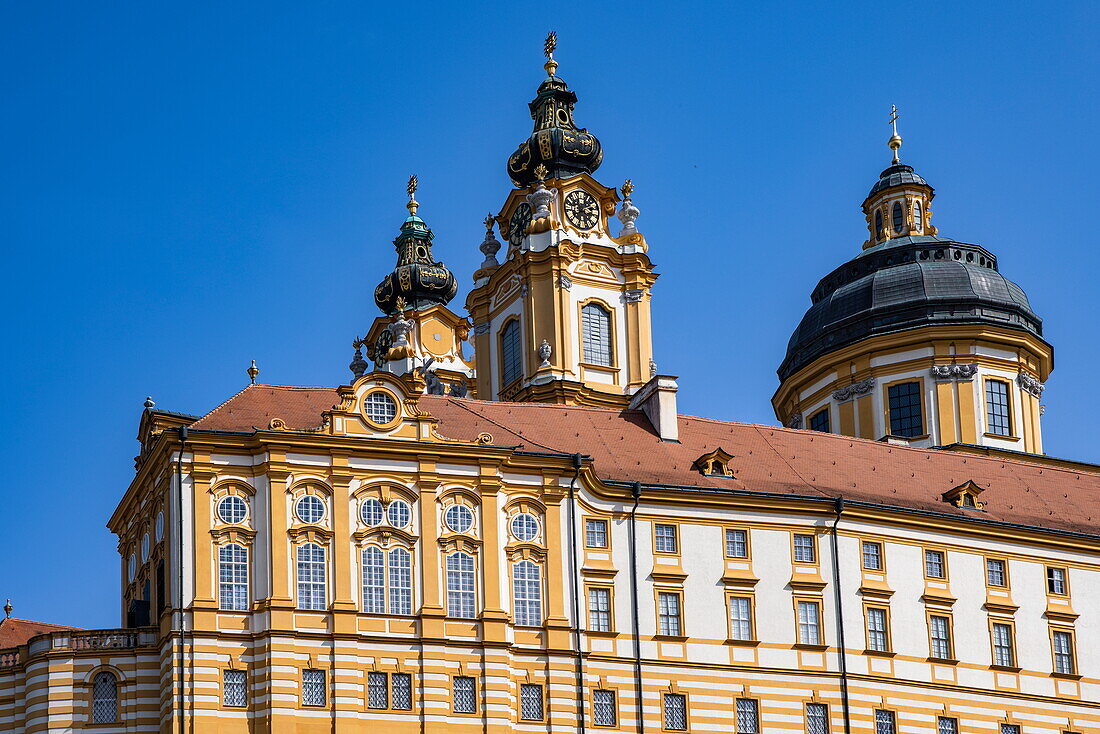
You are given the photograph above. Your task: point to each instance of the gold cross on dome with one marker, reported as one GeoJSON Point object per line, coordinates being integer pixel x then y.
{"type": "Point", "coordinates": [894, 118]}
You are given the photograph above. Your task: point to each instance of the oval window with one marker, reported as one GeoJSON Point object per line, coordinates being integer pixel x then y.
{"type": "Point", "coordinates": [160, 526]}
{"type": "Point", "coordinates": [232, 510]}
{"type": "Point", "coordinates": [525, 527]}
{"type": "Point", "coordinates": [459, 518]}
{"type": "Point", "coordinates": [131, 568]}
{"type": "Point", "coordinates": [899, 217]}
{"type": "Point", "coordinates": [145, 548]}
{"type": "Point", "coordinates": [310, 509]}
{"type": "Point", "coordinates": [398, 513]}
{"type": "Point", "coordinates": [370, 512]}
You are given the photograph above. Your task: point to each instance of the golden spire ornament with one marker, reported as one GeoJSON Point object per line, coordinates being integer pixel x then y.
{"type": "Point", "coordinates": [627, 188]}
{"type": "Point", "coordinates": [413, 204]}
{"type": "Point", "coordinates": [551, 66]}
{"type": "Point", "coordinates": [253, 371]}
{"type": "Point", "coordinates": [895, 139]}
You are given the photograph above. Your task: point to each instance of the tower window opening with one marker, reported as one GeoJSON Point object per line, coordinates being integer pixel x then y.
{"type": "Point", "coordinates": [511, 364]}
{"type": "Point", "coordinates": [899, 217]}
{"type": "Point", "coordinates": [905, 410]}
{"type": "Point", "coordinates": [596, 323]}
{"type": "Point", "coordinates": [819, 421]}
{"type": "Point", "coordinates": [996, 407]}
{"type": "Point", "coordinates": [878, 225]}
{"type": "Point", "coordinates": [918, 216]}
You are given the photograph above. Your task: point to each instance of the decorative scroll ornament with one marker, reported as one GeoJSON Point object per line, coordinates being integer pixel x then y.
{"type": "Point", "coordinates": [795, 421]}
{"type": "Point", "coordinates": [957, 372]}
{"type": "Point", "coordinates": [1030, 384]}
{"type": "Point", "coordinates": [634, 295]}
{"type": "Point", "coordinates": [490, 246]}
{"type": "Point", "coordinates": [628, 213]}
{"type": "Point", "coordinates": [544, 354]}
{"type": "Point", "coordinates": [855, 390]}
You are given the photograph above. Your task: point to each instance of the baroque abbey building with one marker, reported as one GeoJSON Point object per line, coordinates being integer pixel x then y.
{"type": "Point", "coordinates": [501, 522]}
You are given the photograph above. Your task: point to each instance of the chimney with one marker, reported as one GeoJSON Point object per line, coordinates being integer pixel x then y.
{"type": "Point", "coordinates": [657, 399]}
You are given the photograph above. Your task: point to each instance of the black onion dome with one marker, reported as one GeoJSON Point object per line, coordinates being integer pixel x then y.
{"type": "Point", "coordinates": [898, 174]}
{"type": "Point", "coordinates": [556, 142]}
{"type": "Point", "coordinates": [906, 283]}
{"type": "Point", "coordinates": [418, 279]}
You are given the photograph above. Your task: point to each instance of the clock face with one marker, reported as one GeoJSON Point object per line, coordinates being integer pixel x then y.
{"type": "Point", "coordinates": [582, 209]}
{"type": "Point", "coordinates": [517, 225]}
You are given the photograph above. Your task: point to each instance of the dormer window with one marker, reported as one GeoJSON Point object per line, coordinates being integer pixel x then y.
{"type": "Point", "coordinates": [714, 464]}
{"type": "Point", "coordinates": [965, 496]}
{"type": "Point", "coordinates": [899, 217]}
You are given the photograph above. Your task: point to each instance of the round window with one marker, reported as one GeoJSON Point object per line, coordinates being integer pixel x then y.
{"type": "Point", "coordinates": [232, 509]}
{"type": "Point", "coordinates": [525, 527]}
{"type": "Point", "coordinates": [459, 518]}
{"type": "Point", "coordinates": [398, 513]}
{"type": "Point", "coordinates": [145, 548]}
{"type": "Point", "coordinates": [379, 407]}
{"type": "Point", "coordinates": [370, 512]}
{"type": "Point", "coordinates": [131, 567]}
{"type": "Point", "coordinates": [160, 526]}
{"type": "Point", "coordinates": [310, 509]}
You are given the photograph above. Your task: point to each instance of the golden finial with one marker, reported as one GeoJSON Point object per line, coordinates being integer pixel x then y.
{"type": "Point", "coordinates": [401, 305]}
{"type": "Point", "coordinates": [489, 220]}
{"type": "Point", "coordinates": [548, 48]}
{"type": "Point", "coordinates": [253, 371]}
{"type": "Point", "coordinates": [628, 188]}
{"type": "Point", "coordinates": [413, 204]}
{"type": "Point", "coordinates": [895, 139]}
{"type": "Point", "coordinates": [540, 172]}
{"type": "Point", "coordinates": [8, 608]}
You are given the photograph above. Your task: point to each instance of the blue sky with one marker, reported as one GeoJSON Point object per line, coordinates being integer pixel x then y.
{"type": "Point", "coordinates": [184, 189]}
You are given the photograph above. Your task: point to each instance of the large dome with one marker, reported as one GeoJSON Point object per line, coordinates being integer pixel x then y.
{"type": "Point", "coordinates": [905, 283]}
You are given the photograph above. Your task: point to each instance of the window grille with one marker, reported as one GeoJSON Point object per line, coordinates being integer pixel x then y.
{"type": "Point", "coordinates": [465, 701]}
{"type": "Point", "coordinates": [370, 512]}
{"type": "Point", "coordinates": [947, 725]}
{"type": "Point", "coordinates": [530, 702]}
{"type": "Point", "coordinates": [374, 580]}
{"type": "Point", "coordinates": [995, 572]}
{"type": "Point", "coordinates": [313, 688]}
{"type": "Point", "coordinates": [996, 407]}
{"type": "Point", "coordinates": [311, 576]}
{"type": "Point", "coordinates": [737, 544]}
{"type": "Point", "coordinates": [378, 693]}
{"type": "Point", "coordinates": [234, 688]}
{"type": "Point", "coordinates": [804, 549]}
{"type": "Point", "coordinates": [819, 421]}
{"type": "Point", "coordinates": [599, 610]}
{"type": "Point", "coordinates": [401, 684]}
{"type": "Point", "coordinates": [934, 566]}
{"type": "Point", "coordinates": [1010, 729]}
{"type": "Point", "coordinates": [460, 586]}
{"type": "Point", "coordinates": [233, 577]}
{"type": "Point", "coordinates": [1002, 645]}
{"type": "Point", "coordinates": [459, 518]}
{"type": "Point", "coordinates": [596, 324]}
{"type": "Point", "coordinates": [232, 510]}
{"type": "Point", "coordinates": [899, 217]}
{"type": "Point", "coordinates": [527, 593]}
{"type": "Point", "coordinates": [400, 581]}
{"type": "Point", "coordinates": [595, 533]}
{"type": "Point", "coordinates": [675, 712]}
{"type": "Point", "coordinates": [379, 407]}
{"type": "Point", "coordinates": [399, 514]}
{"type": "Point", "coordinates": [748, 716]}
{"type": "Point", "coordinates": [666, 539]}
{"type": "Point", "coordinates": [740, 618]}
{"type": "Point", "coordinates": [669, 613]}
{"type": "Point", "coordinates": [512, 366]}
{"type": "Point", "coordinates": [1056, 581]}
{"type": "Point", "coordinates": [940, 628]}
{"type": "Point", "coordinates": [817, 718]}
{"type": "Point", "coordinates": [104, 698]}
{"type": "Point", "coordinates": [905, 410]}
{"type": "Point", "coordinates": [603, 708]}
{"type": "Point", "coordinates": [310, 509]}
{"type": "Point", "coordinates": [872, 556]}
{"type": "Point", "coordinates": [809, 623]}
{"type": "Point", "coordinates": [884, 722]}
{"type": "Point", "coordinates": [877, 637]}
{"type": "Point", "coordinates": [1063, 653]}
{"type": "Point", "coordinates": [525, 527]}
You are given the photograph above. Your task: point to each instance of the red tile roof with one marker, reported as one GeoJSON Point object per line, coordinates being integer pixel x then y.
{"type": "Point", "coordinates": [15, 632]}
{"type": "Point", "coordinates": [765, 458]}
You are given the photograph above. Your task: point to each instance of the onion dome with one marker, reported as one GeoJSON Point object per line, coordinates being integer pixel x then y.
{"type": "Point", "coordinates": [556, 141]}
{"type": "Point", "coordinates": [418, 281]}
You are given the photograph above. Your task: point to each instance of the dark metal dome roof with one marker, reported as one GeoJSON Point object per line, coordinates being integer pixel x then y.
{"type": "Point", "coordinates": [906, 283]}
{"type": "Point", "coordinates": [418, 280]}
{"type": "Point", "coordinates": [896, 175]}
{"type": "Point", "coordinates": [556, 142]}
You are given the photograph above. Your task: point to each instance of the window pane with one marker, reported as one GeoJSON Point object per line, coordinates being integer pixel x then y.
{"type": "Point", "coordinates": [884, 722]}
{"type": "Point", "coordinates": [1063, 653]}
{"type": "Point", "coordinates": [940, 628]}
{"type": "Point", "coordinates": [666, 538]}
{"type": "Point", "coordinates": [400, 581]}
{"type": "Point", "coordinates": [599, 610]}
{"type": "Point", "coordinates": [234, 688]}
{"type": "Point", "coordinates": [669, 613]}
{"type": "Point", "coordinates": [737, 544]}
{"type": "Point", "coordinates": [675, 712]}
{"type": "Point", "coordinates": [809, 626]}
{"type": "Point", "coordinates": [817, 718]}
{"type": "Point", "coordinates": [933, 565]}
{"type": "Point", "coordinates": [596, 325]}
{"type": "Point", "coordinates": [530, 702]}
{"type": "Point", "coordinates": [595, 533]}
{"type": "Point", "coordinates": [1002, 645]}
{"type": "Point", "coordinates": [402, 691]}
{"type": "Point", "coordinates": [311, 576]}
{"type": "Point", "coordinates": [464, 698]}
{"type": "Point", "coordinates": [104, 699]}
{"type": "Point", "coordinates": [313, 688]}
{"type": "Point", "coordinates": [804, 550]}
{"type": "Point", "coordinates": [872, 556]}
{"type": "Point", "coordinates": [460, 586]}
{"type": "Point", "coordinates": [905, 409]}
{"type": "Point", "coordinates": [603, 707]}
{"type": "Point", "coordinates": [947, 725]}
{"type": "Point", "coordinates": [233, 577]}
{"type": "Point", "coordinates": [877, 637]}
{"type": "Point", "coordinates": [377, 691]}
{"type": "Point", "coordinates": [995, 573]}
{"type": "Point", "coordinates": [1010, 729]}
{"type": "Point", "coordinates": [511, 365]}
{"type": "Point", "coordinates": [1056, 581]}
{"type": "Point", "coordinates": [748, 718]}
{"type": "Point", "coordinates": [996, 407]}
{"type": "Point", "coordinates": [374, 581]}
{"type": "Point", "coordinates": [819, 421]}
{"type": "Point", "coordinates": [527, 593]}
{"type": "Point", "coordinates": [740, 618]}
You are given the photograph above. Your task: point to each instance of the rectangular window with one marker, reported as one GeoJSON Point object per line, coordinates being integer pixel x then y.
{"type": "Point", "coordinates": [905, 410]}
{"type": "Point", "coordinates": [527, 593]}
{"type": "Point", "coordinates": [234, 688]}
{"type": "Point", "coordinates": [232, 578]}
{"type": "Point", "coordinates": [878, 638]}
{"type": "Point", "coordinates": [809, 623]}
{"type": "Point", "coordinates": [740, 618]}
{"type": "Point", "coordinates": [313, 688]}
{"type": "Point", "coordinates": [599, 609]}
{"type": "Point", "coordinates": [603, 708]}
{"type": "Point", "coordinates": [748, 716]}
{"type": "Point", "coordinates": [676, 712]}
{"type": "Point", "coordinates": [666, 539]}
{"type": "Point", "coordinates": [311, 577]}
{"type": "Point", "coordinates": [1056, 581]}
{"type": "Point", "coordinates": [939, 629]}
{"type": "Point", "coordinates": [378, 691]}
{"type": "Point", "coordinates": [996, 407]}
{"type": "Point", "coordinates": [530, 702]}
{"type": "Point", "coordinates": [817, 718]}
{"type": "Point", "coordinates": [872, 556]}
{"type": "Point", "coordinates": [1063, 652]}
{"type": "Point", "coordinates": [596, 334]}
{"type": "Point", "coordinates": [1010, 729]}
{"type": "Point", "coordinates": [737, 543]}
{"type": "Point", "coordinates": [947, 725]}
{"type": "Point", "coordinates": [1002, 646]}
{"type": "Point", "coordinates": [819, 421]}
{"type": "Point", "coordinates": [884, 722]}
{"type": "Point", "coordinates": [511, 365]}
{"type": "Point", "coordinates": [374, 580]}
{"type": "Point", "coordinates": [995, 572]}
{"type": "Point", "coordinates": [400, 581]}
{"type": "Point", "coordinates": [805, 550]}
{"type": "Point", "coordinates": [935, 566]}
{"type": "Point", "coordinates": [465, 698]}
{"type": "Point", "coordinates": [668, 603]}
{"type": "Point", "coordinates": [402, 691]}
{"type": "Point", "coordinates": [461, 598]}
{"type": "Point", "coordinates": [595, 533]}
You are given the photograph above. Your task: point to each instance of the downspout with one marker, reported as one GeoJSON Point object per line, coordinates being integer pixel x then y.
{"type": "Point", "coordinates": [573, 571]}
{"type": "Point", "coordinates": [179, 569]}
{"type": "Point", "coordinates": [838, 601]}
{"type": "Point", "coordinates": [636, 491]}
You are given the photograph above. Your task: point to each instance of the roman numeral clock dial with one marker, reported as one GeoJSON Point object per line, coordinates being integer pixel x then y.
{"type": "Point", "coordinates": [582, 209]}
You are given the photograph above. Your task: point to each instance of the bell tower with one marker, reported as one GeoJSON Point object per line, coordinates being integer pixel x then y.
{"type": "Point", "coordinates": [565, 317]}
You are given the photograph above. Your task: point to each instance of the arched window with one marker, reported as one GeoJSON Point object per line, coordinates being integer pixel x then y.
{"type": "Point", "coordinates": [374, 580]}
{"type": "Point", "coordinates": [311, 576]}
{"type": "Point", "coordinates": [527, 593]}
{"type": "Point", "coordinates": [104, 698]}
{"type": "Point", "coordinates": [596, 334]}
{"type": "Point", "coordinates": [510, 357]}
{"type": "Point", "coordinates": [899, 217]}
{"type": "Point", "coordinates": [233, 577]}
{"type": "Point", "coordinates": [918, 216]}
{"type": "Point", "coordinates": [400, 581]}
{"type": "Point", "coordinates": [461, 597]}
{"type": "Point", "coordinates": [878, 224]}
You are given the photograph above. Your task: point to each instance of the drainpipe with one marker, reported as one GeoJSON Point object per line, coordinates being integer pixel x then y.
{"type": "Point", "coordinates": [179, 569]}
{"type": "Point", "coordinates": [838, 601]}
{"type": "Point", "coordinates": [579, 659]}
{"type": "Point", "coordinates": [636, 492]}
